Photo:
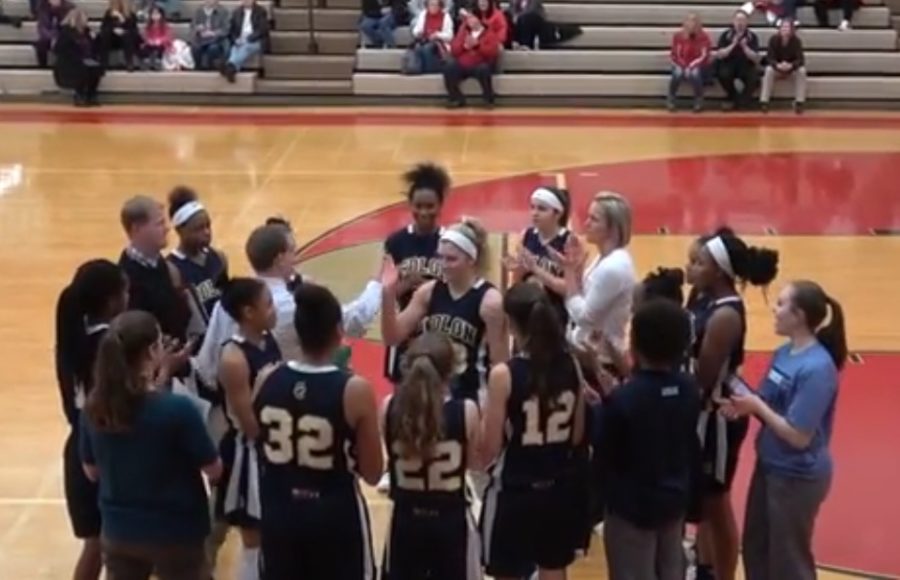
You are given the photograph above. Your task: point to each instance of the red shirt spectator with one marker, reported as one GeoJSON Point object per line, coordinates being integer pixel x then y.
{"type": "Point", "coordinates": [472, 47]}
{"type": "Point", "coordinates": [690, 46]}
{"type": "Point", "coordinates": [493, 18]}
{"type": "Point", "coordinates": [157, 33]}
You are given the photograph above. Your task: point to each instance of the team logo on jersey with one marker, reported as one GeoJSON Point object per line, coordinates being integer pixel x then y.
{"type": "Point", "coordinates": [300, 391]}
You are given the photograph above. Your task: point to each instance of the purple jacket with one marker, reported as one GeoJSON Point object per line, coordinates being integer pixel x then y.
{"type": "Point", "coordinates": [50, 18]}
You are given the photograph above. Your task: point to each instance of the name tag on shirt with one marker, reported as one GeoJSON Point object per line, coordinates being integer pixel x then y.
{"type": "Point", "coordinates": [670, 391]}
{"type": "Point", "coordinates": [777, 377]}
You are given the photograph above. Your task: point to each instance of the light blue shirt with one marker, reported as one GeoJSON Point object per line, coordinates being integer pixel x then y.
{"type": "Point", "coordinates": [802, 388]}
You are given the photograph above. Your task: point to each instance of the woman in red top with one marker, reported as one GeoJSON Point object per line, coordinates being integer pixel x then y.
{"type": "Point", "coordinates": [432, 32]}
{"type": "Point", "coordinates": [493, 19]}
{"type": "Point", "coordinates": [475, 50]}
{"type": "Point", "coordinates": [690, 54]}
{"type": "Point", "coordinates": [157, 37]}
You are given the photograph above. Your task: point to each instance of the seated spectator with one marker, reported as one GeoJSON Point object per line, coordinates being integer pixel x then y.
{"type": "Point", "coordinates": [493, 19]}
{"type": "Point", "coordinates": [775, 10]}
{"type": "Point", "coordinates": [737, 58]}
{"type": "Point", "coordinates": [848, 7]}
{"type": "Point", "coordinates": [475, 50]}
{"type": "Point", "coordinates": [171, 8]}
{"type": "Point", "coordinates": [119, 31]}
{"type": "Point", "coordinates": [416, 7]}
{"type": "Point", "coordinates": [530, 29]}
{"type": "Point", "coordinates": [50, 14]}
{"type": "Point", "coordinates": [432, 33]}
{"type": "Point", "coordinates": [75, 66]}
{"type": "Point", "coordinates": [209, 35]}
{"type": "Point", "coordinates": [157, 38]}
{"type": "Point", "coordinates": [249, 36]}
{"type": "Point", "coordinates": [690, 53]}
{"type": "Point", "coordinates": [377, 24]}
{"type": "Point", "coordinates": [785, 59]}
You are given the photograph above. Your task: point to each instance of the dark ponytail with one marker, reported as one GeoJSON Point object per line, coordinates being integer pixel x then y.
{"type": "Point", "coordinates": [119, 386]}
{"type": "Point", "coordinates": [535, 318]}
{"type": "Point", "coordinates": [809, 298]}
{"type": "Point", "coordinates": [417, 410]}
{"type": "Point", "coordinates": [751, 264]}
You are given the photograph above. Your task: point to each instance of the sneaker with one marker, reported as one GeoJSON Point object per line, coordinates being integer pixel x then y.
{"type": "Point", "coordinates": [764, 107]}
{"type": "Point", "coordinates": [384, 484]}
{"type": "Point", "coordinates": [844, 25]}
{"type": "Point", "coordinates": [698, 106]}
{"type": "Point", "coordinates": [798, 108]}
{"type": "Point", "coordinates": [670, 105]}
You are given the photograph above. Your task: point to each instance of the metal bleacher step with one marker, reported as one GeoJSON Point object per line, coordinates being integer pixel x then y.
{"type": "Point", "coordinates": [635, 61]}
{"type": "Point", "coordinates": [41, 81]}
{"type": "Point", "coordinates": [309, 67]}
{"type": "Point", "coordinates": [338, 20]}
{"type": "Point", "coordinates": [95, 8]}
{"type": "Point", "coordinates": [611, 85]}
{"type": "Point", "coordinates": [293, 42]}
{"type": "Point", "coordinates": [304, 87]}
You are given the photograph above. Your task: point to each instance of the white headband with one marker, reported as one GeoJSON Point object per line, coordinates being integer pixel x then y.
{"type": "Point", "coordinates": [186, 212]}
{"type": "Point", "coordinates": [719, 253]}
{"type": "Point", "coordinates": [548, 198]}
{"type": "Point", "coordinates": [460, 241]}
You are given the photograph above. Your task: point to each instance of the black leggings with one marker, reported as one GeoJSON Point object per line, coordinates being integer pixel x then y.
{"type": "Point", "coordinates": [848, 7]}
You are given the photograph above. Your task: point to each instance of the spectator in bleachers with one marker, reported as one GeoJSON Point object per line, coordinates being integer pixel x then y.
{"type": "Point", "coordinates": [690, 55]}
{"type": "Point", "coordinates": [848, 7]}
{"type": "Point", "coordinates": [775, 10]}
{"type": "Point", "coordinates": [119, 31]}
{"type": "Point", "coordinates": [75, 67]}
{"type": "Point", "coordinates": [172, 8]}
{"type": "Point", "coordinates": [488, 11]}
{"type": "Point", "coordinates": [157, 38]}
{"type": "Point", "coordinates": [377, 24]}
{"type": "Point", "coordinates": [432, 33]}
{"type": "Point", "coordinates": [530, 29]}
{"type": "Point", "coordinates": [737, 59]}
{"type": "Point", "coordinates": [249, 36]}
{"type": "Point", "coordinates": [784, 59]}
{"type": "Point", "coordinates": [416, 7]}
{"type": "Point", "coordinates": [50, 15]}
{"type": "Point", "coordinates": [209, 35]}
{"type": "Point", "coordinates": [475, 50]}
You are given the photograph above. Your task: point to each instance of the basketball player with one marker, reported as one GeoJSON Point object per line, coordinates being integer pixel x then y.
{"type": "Point", "coordinates": [720, 264]}
{"type": "Point", "coordinates": [414, 248]}
{"type": "Point", "coordinates": [96, 295]}
{"type": "Point", "coordinates": [318, 433]}
{"type": "Point", "coordinates": [463, 306]}
{"type": "Point", "coordinates": [203, 269]}
{"type": "Point", "coordinates": [550, 207]}
{"type": "Point", "coordinates": [533, 420]}
{"type": "Point", "coordinates": [431, 439]}
{"type": "Point", "coordinates": [249, 302]}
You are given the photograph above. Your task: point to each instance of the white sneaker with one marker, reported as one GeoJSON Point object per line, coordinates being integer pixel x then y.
{"type": "Point", "coordinates": [844, 25]}
{"type": "Point", "coordinates": [772, 18]}
{"type": "Point", "coordinates": [598, 529]}
{"type": "Point", "coordinates": [384, 484]}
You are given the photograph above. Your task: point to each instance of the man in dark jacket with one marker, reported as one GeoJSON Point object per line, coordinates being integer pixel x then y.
{"type": "Point", "coordinates": [785, 59]}
{"type": "Point", "coordinates": [475, 51]}
{"type": "Point", "coordinates": [209, 35]}
{"type": "Point", "coordinates": [50, 14]}
{"type": "Point", "coordinates": [249, 36]}
{"type": "Point", "coordinates": [737, 56]}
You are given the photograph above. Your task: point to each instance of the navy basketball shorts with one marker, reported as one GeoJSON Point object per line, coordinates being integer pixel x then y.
{"type": "Point", "coordinates": [524, 528]}
{"type": "Point", "coordinates": [316, 536]}
{"type": "Point", "coordinates": [433, 542]}
{"type": "Point", "coordinates": [237, 500]}
{"type": "Point", "coordinates": [721, 450]}
{"type": "Point", "coordinates": [81, 493]}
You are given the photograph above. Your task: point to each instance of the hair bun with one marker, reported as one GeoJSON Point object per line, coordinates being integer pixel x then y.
{"type": "Point", "coordinates": [762, 266]}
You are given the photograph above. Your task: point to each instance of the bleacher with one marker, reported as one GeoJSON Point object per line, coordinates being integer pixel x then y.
{"type": "Point", "coordinates": [622, 54]}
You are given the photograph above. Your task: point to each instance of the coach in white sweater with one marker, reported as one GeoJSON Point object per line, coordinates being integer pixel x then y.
{"type": "Point", "coordinates": [598, 296]}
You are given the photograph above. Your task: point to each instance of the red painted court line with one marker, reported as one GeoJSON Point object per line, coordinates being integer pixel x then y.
{"type": "Point", "coordinates": [424, 118]}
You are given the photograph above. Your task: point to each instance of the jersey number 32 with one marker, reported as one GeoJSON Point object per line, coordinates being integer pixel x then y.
{"type": "Point", "coordinates": [314, 435]}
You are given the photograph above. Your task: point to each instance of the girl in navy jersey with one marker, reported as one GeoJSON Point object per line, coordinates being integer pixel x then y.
{"type": "Point", "coordinates": [431, 439]}
{"type": "Point", "coordinates": [249, 302]}
{"type": "Point", "coordinates": [462, 306]}
{"type": "Point", "coordinates": [318, 433]}
{"type": "Point", "coordinates": [550, 207]}
{"type": "Point", "coordinates": [96, 295]}
{"type": "Point", "coordinates": [413, 248]}
{"type": "Point", "coordinates": [719, 266]}
{"type": "Point", "coordinates": [533, 422]}
{"type": "Point", "coordinates": [203, 269]}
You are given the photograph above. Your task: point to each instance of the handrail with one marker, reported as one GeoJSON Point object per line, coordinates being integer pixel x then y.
{"type": "Point", "coordinates": [313, 45]}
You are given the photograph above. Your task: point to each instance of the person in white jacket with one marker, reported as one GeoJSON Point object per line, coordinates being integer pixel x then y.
{"type": "Point", "coordinates": [432, 32]}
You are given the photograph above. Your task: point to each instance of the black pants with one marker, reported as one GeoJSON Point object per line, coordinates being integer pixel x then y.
{"type": "Point", "coordinates": [90, 80]}
{"type": "Point", "coordinates": [821, 8]}
{"type": "Point", "coordinates": [528, 27]}
{"type": "Point", "coordinates": [42, 51]}
{"type": "Point", "coordinates": [731, 70]}
{"type": "Point", "coordinates": [454, 75]}
{"type": "Point", "coordinates": [127, 42]}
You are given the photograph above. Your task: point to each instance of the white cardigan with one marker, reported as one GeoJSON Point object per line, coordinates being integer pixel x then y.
{"type": "Point", "coordinates": [604, 305]}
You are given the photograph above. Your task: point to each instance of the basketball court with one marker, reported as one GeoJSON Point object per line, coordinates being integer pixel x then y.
{"type": "Point", "coordinates": [822, 189]}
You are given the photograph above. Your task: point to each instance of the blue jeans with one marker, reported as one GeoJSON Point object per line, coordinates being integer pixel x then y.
{"type": "Point", "coordinates": [693, 75]}
{"type": "Point", "coordinates": [241, 53]}
{"type": "Point", "coordinates": [430, 61]}
{"type": "Point", "coordinates": [206, 55]}
{"type": "Point", "coordinates": [378, 31]}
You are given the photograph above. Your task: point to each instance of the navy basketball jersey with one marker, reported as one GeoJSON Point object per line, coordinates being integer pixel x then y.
{"type": "Point", "coordinates": [412, 254]}
{"type": "Point", "coordinates": [307, 448]}
{"type": "Point", "coordinates": [258, 357]}
{"type": "Point", "coordinates": [702, 311]}
{"type": "Point", "coordinates": [538, 443]}
{"type": "Point", "coordinates": [532, 241]}
{"type": "Point", "coordinates": [203, 277]}
{"type": "Point", "coordinates": [439, 479]}
{"type": "Point", "coordinates": [460, 320]}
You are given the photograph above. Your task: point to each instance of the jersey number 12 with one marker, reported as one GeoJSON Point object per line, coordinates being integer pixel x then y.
{"type": "Point", "coordinates": [559, 422]}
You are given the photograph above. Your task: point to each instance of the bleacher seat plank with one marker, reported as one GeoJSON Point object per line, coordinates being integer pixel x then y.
{"type": "Point", "coordinates": [22, 55]}
{"type": "Point", "coordinates": [608, 85]}
{"type": "Point", "coordinates": [28, 32]}
{"type": "Point", "coordinates": [41, 81]}
{"type": "Point", "coordinates": [325, 20]}
{"type": "Point", "coordinates": [96, 8]}
{"type": "Point", "coordinates": [305, 67]}
{"type": "Point", "coordinates": [635, 61]}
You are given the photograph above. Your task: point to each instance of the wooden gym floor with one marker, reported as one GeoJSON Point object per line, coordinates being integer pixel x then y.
{"type": "Point", "coordinates": [821, 189]}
